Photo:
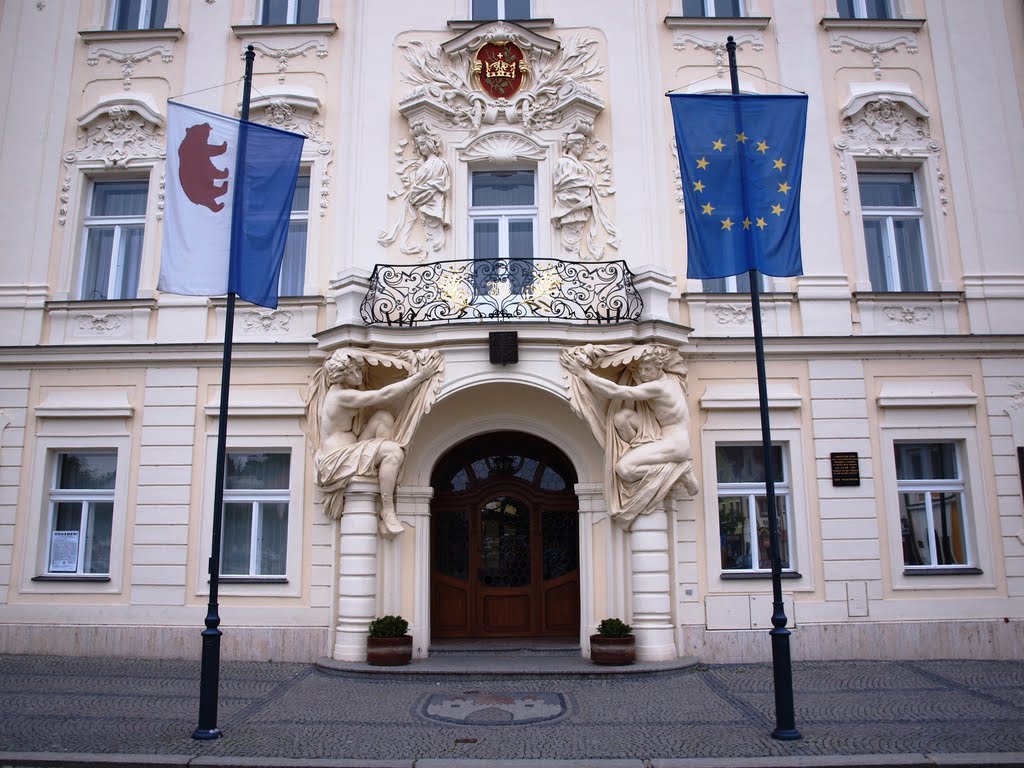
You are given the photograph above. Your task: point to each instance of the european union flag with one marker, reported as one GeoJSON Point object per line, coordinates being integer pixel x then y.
{"type": "Point", "coordinates": [741, 158]}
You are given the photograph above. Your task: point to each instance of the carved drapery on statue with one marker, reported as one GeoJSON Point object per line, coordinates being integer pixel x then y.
{"type": "Point", "coordinates": [362, 410]}
{"type": "Point", "coordinates": [633, 398]}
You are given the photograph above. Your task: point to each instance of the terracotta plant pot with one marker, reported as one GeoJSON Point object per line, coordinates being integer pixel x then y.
{"type": "Point", "coordinates": [389, 651]}
{"type": "Point", "coordinates": [616, 651]}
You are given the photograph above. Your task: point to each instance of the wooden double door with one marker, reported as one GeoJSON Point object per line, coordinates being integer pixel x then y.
{"type": "Point", "coordinates": [505, 551]}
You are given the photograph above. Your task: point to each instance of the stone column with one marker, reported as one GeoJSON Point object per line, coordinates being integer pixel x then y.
{"type": "Point", "coordinates": [650, 583]}
{"type": "Point", "coordinates": [357, 569]}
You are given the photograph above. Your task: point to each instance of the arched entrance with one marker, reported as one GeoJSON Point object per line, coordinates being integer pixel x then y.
{"type": "Point", "coordinates": [504, 540]}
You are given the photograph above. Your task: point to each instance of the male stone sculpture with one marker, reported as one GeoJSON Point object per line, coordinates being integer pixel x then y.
{"type": "Point", "coordinates": [642, 421]}
{"type": "Point", "coordinates": [358, 430]}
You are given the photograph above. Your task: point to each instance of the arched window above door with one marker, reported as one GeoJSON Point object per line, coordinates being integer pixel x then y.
{"type": "Point", "coordinates": [504, 454]}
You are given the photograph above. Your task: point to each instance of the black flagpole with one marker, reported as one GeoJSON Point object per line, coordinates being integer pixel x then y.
{"type": "Point", "coordinates": [209, 676]}
{"type": "Point", "coordinates": [782, 666]}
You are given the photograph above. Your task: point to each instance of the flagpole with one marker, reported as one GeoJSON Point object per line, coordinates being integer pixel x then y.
{"type": "Point", "coordinates": [782, 667]}
{"type": "Point", "coordinates": [209, 675]}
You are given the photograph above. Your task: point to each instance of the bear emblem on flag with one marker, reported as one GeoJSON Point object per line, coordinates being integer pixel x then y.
{"type": "Point", "coordinates": [196, 171]}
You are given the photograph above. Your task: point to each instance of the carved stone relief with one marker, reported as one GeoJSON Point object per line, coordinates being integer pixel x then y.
{"type": "Point", "coordinates": [118, 136]}
{"type": "Point", "coordinates": [284, 55]}
{"type": "Point", "coordinates": [886, 126]}
{"type": "Point", "coordinates": [275, 321]}
{"type": "Point", "coordinates": [716, 47]}
{"type": "Point", "coordinates": [128, 60]}
{"type": "Point", "coordinates": [100, 324]}
{"type": "Point", "coordinates": [579, 179]}
{"type": "Point", "coordinates": [502, 147]}
{"type": "Point", "coordinates": [873, 45]}
{"type": "Point", "coordinates": [909, 315]}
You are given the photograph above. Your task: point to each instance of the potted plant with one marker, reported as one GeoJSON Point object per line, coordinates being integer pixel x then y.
{"type": "Point", "coordinates": [613, 644]}
{"type": "Point", "coordinates": [388, 644]}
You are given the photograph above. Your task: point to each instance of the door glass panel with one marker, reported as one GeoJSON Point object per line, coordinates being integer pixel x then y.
{"type": "Point", "coordinates": [451, 544]}
{"type": "Point", "coordinates": [558, 533]}
{"type": "Point", "coordinates": [505, 543]}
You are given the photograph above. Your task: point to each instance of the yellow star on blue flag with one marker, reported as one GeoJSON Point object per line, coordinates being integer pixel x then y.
{"type": "Point", "coordinates": [741, 158]}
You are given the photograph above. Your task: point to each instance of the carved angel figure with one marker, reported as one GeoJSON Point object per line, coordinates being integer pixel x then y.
{"type": "Point", "coordinates": [360, 418]}
{"type": "Point", "coordinates": [577, 199]}
{"type": "Point", "coordinates": [426, 184]}
{"type": "Point", "coordinates": [640, 418]}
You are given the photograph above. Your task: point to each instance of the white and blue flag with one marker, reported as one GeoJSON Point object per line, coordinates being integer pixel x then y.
{"type": "Point", "coordinates": [229, 188]}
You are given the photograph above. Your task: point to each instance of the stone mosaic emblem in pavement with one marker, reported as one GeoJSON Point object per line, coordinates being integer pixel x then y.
{"type": "Point", "coordinates": [510, 708]}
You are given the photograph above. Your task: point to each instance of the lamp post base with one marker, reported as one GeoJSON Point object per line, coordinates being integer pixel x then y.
{"type": "Point", "coordinates": [206, 734]}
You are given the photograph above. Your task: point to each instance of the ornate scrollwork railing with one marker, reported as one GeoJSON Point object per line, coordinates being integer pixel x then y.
{"type": "Point", "coordinates": [501, 289]}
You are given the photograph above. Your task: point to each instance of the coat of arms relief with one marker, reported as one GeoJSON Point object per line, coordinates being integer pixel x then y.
{"type": "Point", "coordinates": [501, 93]}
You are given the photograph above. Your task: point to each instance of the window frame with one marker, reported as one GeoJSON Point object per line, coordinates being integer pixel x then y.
{"type": "Point", "coordinates": [256, 433]}
{"type": "Point", "coordinates": [860, 11]}
{"type": "Point", "coordinates": [504, 215]}
{"type": "Point", "coordinates": [888, 215]}
{"type": "Point", "coordinates": [752, 491]}
{"type": "Point", "coordinates": [291, 14]}
{"type": "Point", "coordinates": [144, 21]}
{"type": "Point", "coordinates": [257, 498]}
{"type": "Point", "coordinates": [732, 284]}
{"type": "Point", "coordinates": [297, 217]}
{"type": "Point", "coordinates": [91, 222]}
{"type": "Point", "coordinates": [711, 12]}
{"type": "Point", "coordinates": [501, 14]}
{"type": "Point", "coordinates": [904, 425]}
{"type": "Point", "coordinates": [87, 498]}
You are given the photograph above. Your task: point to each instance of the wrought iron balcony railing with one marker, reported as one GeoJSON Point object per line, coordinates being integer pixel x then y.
{"type": "Point", "coordinates": [501, 289]}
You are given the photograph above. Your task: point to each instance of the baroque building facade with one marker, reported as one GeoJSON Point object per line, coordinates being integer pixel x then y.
{"type": "Point", "coordinates": [490, 400]}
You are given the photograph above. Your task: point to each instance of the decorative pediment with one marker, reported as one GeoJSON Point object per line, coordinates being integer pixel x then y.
{"type": "Point", "coordinates": [502, 147]}
{"type": "Point", "coordinates": [501, 72]}
{"type": "Point", "coordinates": [117, 131]}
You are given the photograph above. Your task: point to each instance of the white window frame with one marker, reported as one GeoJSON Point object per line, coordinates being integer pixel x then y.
{"type": "Point", "coordinates": [64, 435]}
{"type": "Point", "coordinates": [292, 13]}
{"type": "Point", "coordinates": [888, 214]}
{"type": "Point", "coordinates": [504, 215]}
{"type": "Point", "coordinates": [87, 498]}
{"type": "Point", "coordinates": [860, 10]}
{"type": "Point", "coordinates": [255, 434]}
{"type": "Point", "coordinates": [907, 425]}
{"type": "Point", "coordinates": [753, 491]}
{"type": "Point", "coordinates": [732, 284]}
{"type": "Point", "coordinates": [117, 256]}
{"type": "Point", "coordinates": [300, 217]}
{"type": "Point", "coordinates": [257, 498]}
{"type": "Point", "coordinates": [930, 486]}
{"type": "Point", "coordinates": [501, 15]}
{"type": "Point", "coordinates": [143, 22]}
{"type": "Point", "coordinates": [710, 11]}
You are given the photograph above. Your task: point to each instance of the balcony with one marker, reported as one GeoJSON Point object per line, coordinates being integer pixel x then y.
{"type": "Point", "coordinates": [501, 290]}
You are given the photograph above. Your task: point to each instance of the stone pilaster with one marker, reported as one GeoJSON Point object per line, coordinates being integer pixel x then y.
{"type": "Point", "coordinates": [357, 570]}
{"type": "Point", "coordinates": [650, 582]}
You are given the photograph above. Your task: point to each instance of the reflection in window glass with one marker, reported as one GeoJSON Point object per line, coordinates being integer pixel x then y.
{"type": "Point", "coordinates": [931, 495]}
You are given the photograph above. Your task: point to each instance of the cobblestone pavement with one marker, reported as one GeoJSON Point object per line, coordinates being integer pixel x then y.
{"type": "Point", "coordinates": [134, 706]}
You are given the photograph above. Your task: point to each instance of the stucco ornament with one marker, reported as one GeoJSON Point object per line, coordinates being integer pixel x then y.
{"type": "Point", "coordinates": [633, 398]}
{"type": "Point", "coordinates": [426, 181]}
{"type": "Point", "coordinates": [362, 409]}
{"type": "Point", "coordinates": [578, 184]}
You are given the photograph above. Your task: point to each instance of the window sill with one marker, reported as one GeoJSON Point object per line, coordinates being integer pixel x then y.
{"type": "Point", "coordinates": [943, 571]}
{"type": "Point", "coordinates": [744, 575]}
{"type": "Point", "coordinates": [243, 31]}
{"type": "Point", "coordinates": [71, 577]}
{"type": "Point", "coordinates": [91, 37]}
{"type": "Point", "coordinates": [461, 25]}
{"type": "Point", "coordinates": [732, 22]}
{"type": "Point", "coordinates": [79, 304]}
{"type": "Point", "coordinates": [902, 25]}
{"type": "Point", "coordinates": [252, 580]}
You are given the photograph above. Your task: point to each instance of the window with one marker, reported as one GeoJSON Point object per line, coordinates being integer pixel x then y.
{"type": "Point", "coordinates": [113, 233]}
{"type": "Point", "coordinates": [503, 217]}
{"type": "Point", "coordinates": [742, 509]}
{"type": "Point", "coordinates": [864, 9]}
{"type": "Point", "coordinates": [713, 8]}
{"type": "Point", "coordinates": [293, 265]}
{"type": "Point", "coordinates": [138, 14]}
{"type": "Point", "coordinates": [255, 525]}
{"type": "Point", "coordinates": [734, 284]}
{"type": "Point", "coordinates": [277, 12]}
{"type": "Point", "coordinates": [893, 235]}
{"type": "Point", "coordinates": [81, 513]}
{"type": "Point", "coordinates": [931, 493]}
{"type": "Point", "coordinates": [490, 10]}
